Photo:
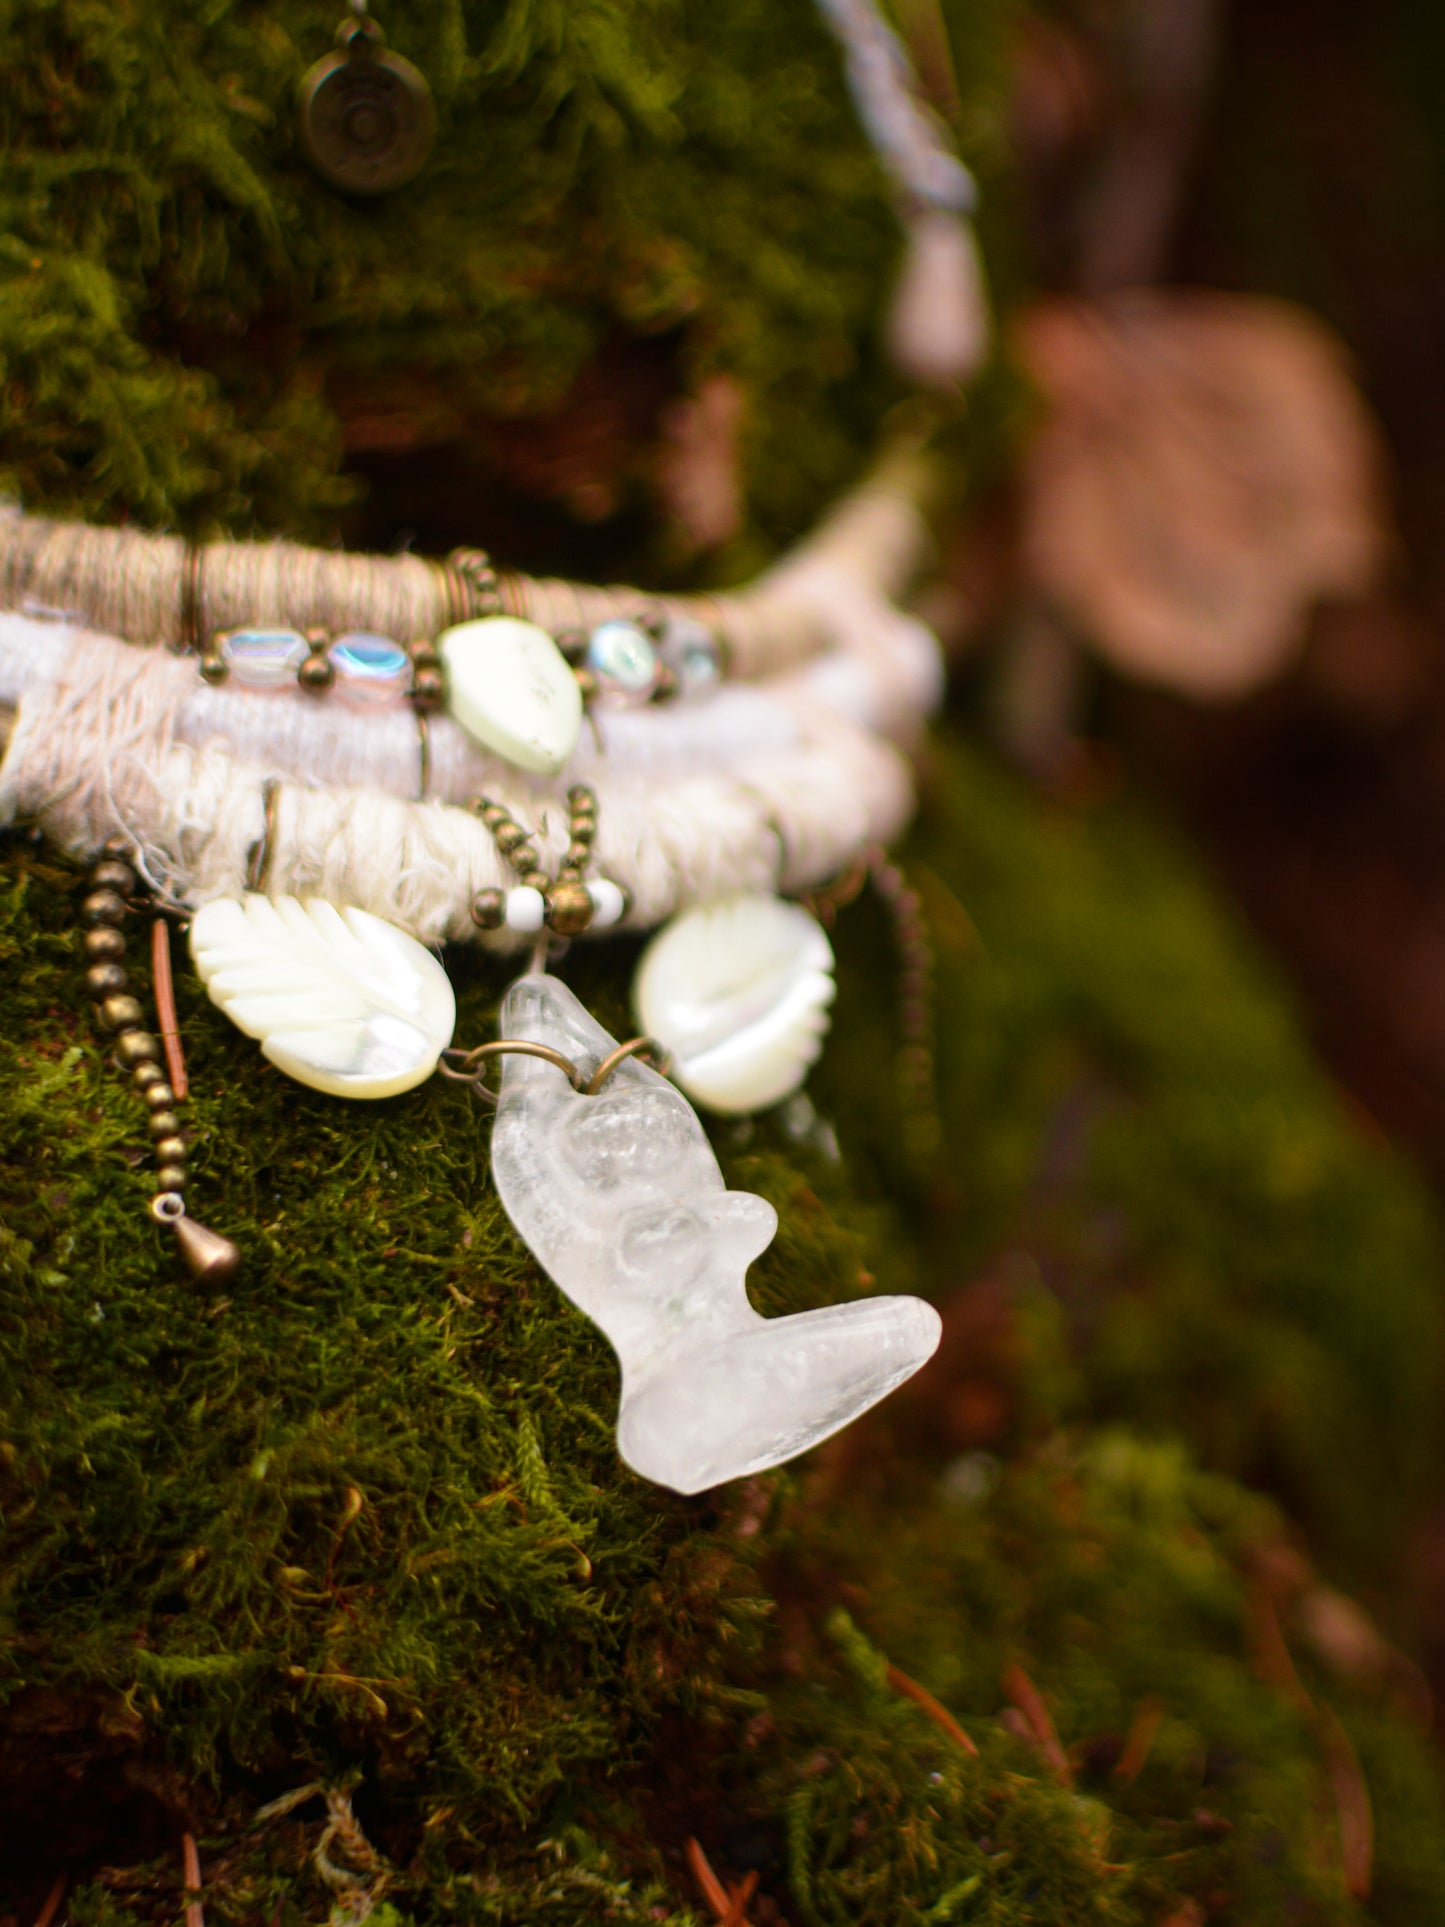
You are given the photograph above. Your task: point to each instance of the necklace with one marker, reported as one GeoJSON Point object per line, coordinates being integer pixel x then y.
{"type": "Point", "coordinates": [601, 1163]}
{"type": "Point", "coordinates": [330, 761]}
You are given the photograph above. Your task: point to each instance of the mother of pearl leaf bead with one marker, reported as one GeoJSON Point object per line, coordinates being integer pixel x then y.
{"type": "Point", "coordinates": [338, 999]}
{"type": "Point", "coordinates": [738, 991]}
{"type": "Point", "coordinates": [509, 686]}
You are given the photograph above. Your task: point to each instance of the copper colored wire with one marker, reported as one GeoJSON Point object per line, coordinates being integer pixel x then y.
{"type": "Point", "coordinates": [165, 994]}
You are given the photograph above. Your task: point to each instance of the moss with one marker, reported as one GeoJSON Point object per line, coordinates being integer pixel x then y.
{"type": "Point", "coordinates": [189, 318]}
{"type": "Point", "coordinates": [1144, 1151]}
{"type": "Point", "coordinates": [361, 1520]}
{"type": "Point", "coordinates": [1109, 1570]}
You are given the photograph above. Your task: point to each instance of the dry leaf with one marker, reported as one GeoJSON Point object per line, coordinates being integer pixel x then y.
{"type": "Point", "coordinates": [1206, 473]}
{"type": "Point", "coordinates": [697, 464]}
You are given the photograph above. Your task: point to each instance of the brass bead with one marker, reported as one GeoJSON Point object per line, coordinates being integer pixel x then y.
{"type": "Point", "coordinates": [112, 874]}
{"type": "Point", "coordinates": [317, 640]}
{"type": "Point", "coordinates": [135, 1047]}
{"type": "Point", "coordinates": [146, 1075]}
{"type": "Point", "coordinates": [104, 906]}
{"type": "Point", "coordinates": [171, 1177]}
{"type": "Point", "coordinates": [104, 945]}
{"type": "Point", "coordinates": [494, 816]}
{"type": "Point", "coordinates": [489, 909]}
{"type": "Point", "coordinates": [666, 684]}
{"type": "Point", "coordinates": [569, 908]}
{"type": "Point", "coordinates": [428, 688]}
{"type": "Point", "coordinates": [581, 796]}
{"type": "Point", "coordinates": [535, 880]}
{"type": "Point", "coordinates": [214, 669]}
{"type": "Point", "coordinates": [106, 980]}
{"type": "Point", "coordinates": [583, 827]}
{"type": "Point", "coordinates": [423, 653]}
{"type": "Point", "coordinates": [171, 1151]}
{"type": "Point", "coordinates": [164, 1124]}
{"type": "Point", "coordinates": [316, 674]}
{"type": "Point", "coordinates": [509, 836]}
{"type": "Point", "coordinates": [122, 1013]}
{"type": "Point", "coordinates": [158, 1093]}
{"type": "Point", "coordinates": [586, 684]}
{"type": "Point", "coordinates": [578, 851]}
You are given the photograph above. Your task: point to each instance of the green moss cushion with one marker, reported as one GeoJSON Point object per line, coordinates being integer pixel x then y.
{"type": "Point", "coordinates": [361, 1521]}
{"type": "Point", "coordinates": [194, 327]}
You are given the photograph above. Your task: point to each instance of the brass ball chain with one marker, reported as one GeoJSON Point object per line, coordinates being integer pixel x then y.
{"type": "Point", "coordinates": [112, 887]}
{"type": "Point", "coordinates": [569, 907]}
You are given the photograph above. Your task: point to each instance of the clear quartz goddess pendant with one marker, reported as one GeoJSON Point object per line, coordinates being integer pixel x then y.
{"type": "Point", "coordinates": [621, 1200]}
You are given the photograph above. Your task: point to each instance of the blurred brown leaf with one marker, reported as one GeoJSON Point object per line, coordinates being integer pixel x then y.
{"type": "Point", "coordinates": [697, 463]}
{"type": "Point", "coordinates": [1206, 472]}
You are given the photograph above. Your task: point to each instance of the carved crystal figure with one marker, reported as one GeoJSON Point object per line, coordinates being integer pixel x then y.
{"type": "Point", "coordinates": [621, 1199]}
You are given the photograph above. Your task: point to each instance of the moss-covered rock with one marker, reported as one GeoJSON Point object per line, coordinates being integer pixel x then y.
{"type": "Point", "coordinates": [1140, 1147]}
{"type": "Point", "coordinates": [361, 1519]}
{"type": "Point", "coordinates": [195, 330]}
{"type": "Point", "coordinates": [358, 1522]}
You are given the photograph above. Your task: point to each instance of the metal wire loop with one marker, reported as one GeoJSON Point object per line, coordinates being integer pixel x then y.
{"type": "Point", "coordinates": [647, 1047]}
{"type": "Point", "coordinates": [469, 1066]}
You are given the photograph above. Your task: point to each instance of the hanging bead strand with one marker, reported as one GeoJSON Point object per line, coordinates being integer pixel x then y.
{"type": "Point", "coordinates": [104, 912]}
{"type": "Point", "coordinates": [566, 904]}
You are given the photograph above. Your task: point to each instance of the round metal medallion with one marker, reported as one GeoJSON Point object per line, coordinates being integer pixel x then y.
{"type": "Point", "coordinates": [367, 116]}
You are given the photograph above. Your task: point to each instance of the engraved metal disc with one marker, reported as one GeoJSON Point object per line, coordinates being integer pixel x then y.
{"type": "Point", "coordinates": [367, 116]}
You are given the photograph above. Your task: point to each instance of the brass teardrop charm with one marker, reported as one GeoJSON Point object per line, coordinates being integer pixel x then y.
{"type": "Point", "coordinates": [210, 1258]}
{"type": "Point", "coordinates": [367, 116]}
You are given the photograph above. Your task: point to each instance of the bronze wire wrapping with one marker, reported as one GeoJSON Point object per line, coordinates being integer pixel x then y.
{"type": "Point", "coordinates": [469, 1066]}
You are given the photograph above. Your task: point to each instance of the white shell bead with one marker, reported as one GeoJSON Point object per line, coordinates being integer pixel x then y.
{"type": "Point", "coordinates": [608, 902]}
{"type": "Point", "coordinates": [526, 909]}
{"type": "Point", "coordinates": [509, 686]}
{"type": "Point", "coordinates": [738, 991]}
{"type": "Point", "coordinates": [338, 999]}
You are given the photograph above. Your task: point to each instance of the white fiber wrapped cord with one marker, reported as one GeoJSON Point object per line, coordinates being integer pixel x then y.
{"type": "Point", "coordinates": [755, 789]}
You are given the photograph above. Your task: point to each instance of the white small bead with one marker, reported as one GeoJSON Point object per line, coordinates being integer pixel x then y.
{"type": "Point", "coordinates": [526, 909]}
{"type": "Point", "coordinates": [608, 903]}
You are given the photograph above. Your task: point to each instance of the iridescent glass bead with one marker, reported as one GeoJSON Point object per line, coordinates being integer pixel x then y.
{"type": "Point", "coordinates": [623, 658]}
{"type": "Point", "coordinates": [264, 658]}
{"type": "Point", "coordinates": [691, 652]}
{"type": "Point", "coordinates": [370, 669]}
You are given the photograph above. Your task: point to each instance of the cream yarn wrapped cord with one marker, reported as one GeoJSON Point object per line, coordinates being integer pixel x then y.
{"type": "Point", "coordinates": [775, 784]}
{"type": "Point", "coordinates": [158, 589]}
